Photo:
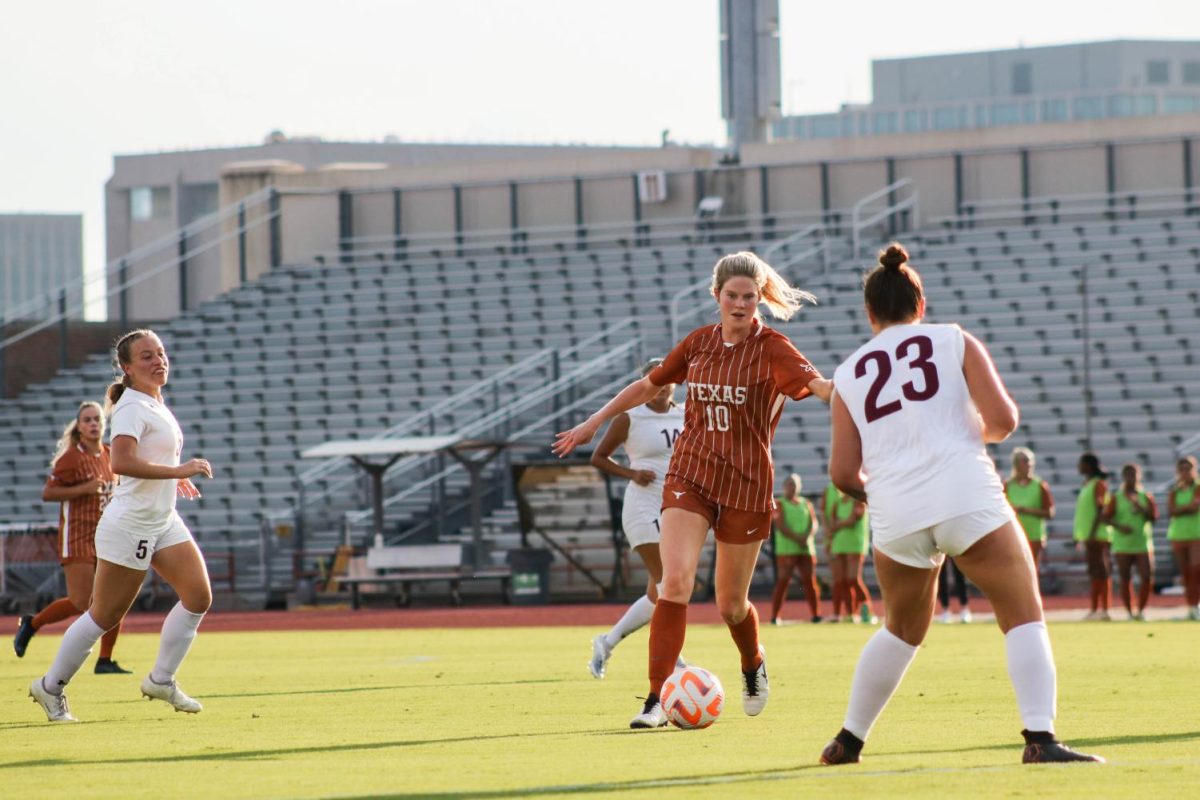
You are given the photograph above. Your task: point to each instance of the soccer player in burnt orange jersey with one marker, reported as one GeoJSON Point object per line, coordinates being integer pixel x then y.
{"type": "Point", "coordinates": [81, 480]}
{"type": "Point", "coordinates": [739, 373]}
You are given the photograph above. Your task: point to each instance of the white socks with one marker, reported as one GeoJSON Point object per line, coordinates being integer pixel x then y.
{"type": "Point", "coordinates": [635, 617]}
{"type": "Point", "coordinates": [881, 667]}
{"type": "Point", "coordinates": [1031, 668]}
{"type": "Point", "coordinates": [76, 644]}
{"type": "Point", "coordinates": [178, 631]}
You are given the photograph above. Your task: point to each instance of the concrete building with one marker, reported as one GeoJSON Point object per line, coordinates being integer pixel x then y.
{"type": "Point", "coordinates": [153, 195]}
{"type": "Point", "coordinates": [39, 254]}
{"type": "Point", "coordinates": [1025, 86]}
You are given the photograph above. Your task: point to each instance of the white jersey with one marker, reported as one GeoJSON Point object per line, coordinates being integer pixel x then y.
{"type": "Point", "coordinates": [922, 437]}
{"type": "Point", "coordinates": [144, 502]}
{"type": "Point", "coordinates": [650, 441]}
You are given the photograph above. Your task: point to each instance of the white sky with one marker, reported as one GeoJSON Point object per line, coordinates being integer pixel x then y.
{"type": "Point", "coordinates": [82, 80]}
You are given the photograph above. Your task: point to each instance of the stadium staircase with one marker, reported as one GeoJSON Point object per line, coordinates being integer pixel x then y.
{"type": "Point", "coordinates": [435, 342]}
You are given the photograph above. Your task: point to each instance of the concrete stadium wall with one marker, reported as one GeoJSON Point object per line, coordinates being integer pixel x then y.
{"type": "Point", "coordinates": [563, 190]}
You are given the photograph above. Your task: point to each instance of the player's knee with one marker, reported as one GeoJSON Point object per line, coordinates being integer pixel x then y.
{"type": "Point", "coordinates": [198, 601]}
{"type": "Point", "coordinates": [676, 588]}
{"type": "Point", "coordinates": [732, 610]}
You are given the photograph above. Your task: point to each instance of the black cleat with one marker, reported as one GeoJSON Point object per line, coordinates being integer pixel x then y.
{"type": "Point", "coordinates": [106, 666]}
{"type": "Point", "coordinates": [25, 632]}
{"type": "Point", "coordinates": [843, 749]}
{"type": "Point", "coordinates": [1043, 748]}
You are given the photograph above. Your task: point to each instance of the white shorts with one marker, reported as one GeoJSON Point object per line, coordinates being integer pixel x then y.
{"type": "Point", "coordinates": [928, 547]}
{"type": "Point", "coordinates": [640, 517]}
{"type": "Point", "coordinates": [133, 545]}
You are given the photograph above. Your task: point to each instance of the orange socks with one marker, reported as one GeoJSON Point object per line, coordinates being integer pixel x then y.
{"type": "Point", "coordinates": [667, 629]}
{"type": "Point", "coordinates": [745, 636]}
{"type": "Point", "coordinates": [108, 640]}
{"type": "Point", "coordinates": [60, 609]}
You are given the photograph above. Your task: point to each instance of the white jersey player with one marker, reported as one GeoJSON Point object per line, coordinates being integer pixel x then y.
{"type": "Point", "coordinates": [648, 434]}
{"type": "Point", "coordinates": [912, 411]}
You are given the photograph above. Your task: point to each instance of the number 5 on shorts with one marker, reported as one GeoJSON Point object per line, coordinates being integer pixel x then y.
{"type": "Point", "coordinates": [140, 552]}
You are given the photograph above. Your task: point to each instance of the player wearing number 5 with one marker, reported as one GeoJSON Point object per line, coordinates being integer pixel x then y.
{"type": "Point", "coordinates": [913, 409]}
{"type": "Point", "coordinates": [138, 528]}
{"type": "Point", "coordinates": [739, 373]}
{"type": "Point", "coordinates": [647, 433]}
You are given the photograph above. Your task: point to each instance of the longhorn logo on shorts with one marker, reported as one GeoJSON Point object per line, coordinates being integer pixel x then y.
{"type": "Point", "coordinates": [678, 494]}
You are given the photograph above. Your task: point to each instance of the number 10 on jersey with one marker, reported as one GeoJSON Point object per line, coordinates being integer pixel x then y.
{"type": "Point", "coordinates": [716, 417]}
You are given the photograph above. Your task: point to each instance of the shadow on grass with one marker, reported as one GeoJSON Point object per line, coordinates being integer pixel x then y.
{"type": "Point", "coordinates": [1095, 741]}
{"type": "Point", "coordinates": [355, 689]}
{"type": "Point", "coordinates": [251, 755]}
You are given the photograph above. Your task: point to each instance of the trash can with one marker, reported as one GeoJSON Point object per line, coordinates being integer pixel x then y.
{"type": "Point", "coordinates": [530, 583]}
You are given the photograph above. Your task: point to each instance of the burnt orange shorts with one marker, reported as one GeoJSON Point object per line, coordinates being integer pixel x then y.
{"type": "Point", "coordinates": [730, 525]}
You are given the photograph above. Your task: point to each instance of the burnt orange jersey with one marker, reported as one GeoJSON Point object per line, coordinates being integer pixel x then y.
{"type": "Point", "coordinates": [78, 517]}
{"type": "Point", "coordinates": [735, 396]}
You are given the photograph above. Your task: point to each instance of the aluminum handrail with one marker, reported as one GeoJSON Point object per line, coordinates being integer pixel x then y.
{"type": "Point", "coordinates": [545, 357]}
{"type": "Point", "coordinates": [767, 255]}
{"type": "Point", "coordinates": [170, 240]}
{"type": "Point", "coordinates": [1064, 205]}
{"type": "Point", "coordinates": [80, 302]}
{"type": "Point", "coordinates": [606, 390]}
{"type": "Point", "coordinates": [821, 248]}
{"type": "Point", "coordinates": [856, 225]}
{"type": "Point", "coordinates": [503, 414]}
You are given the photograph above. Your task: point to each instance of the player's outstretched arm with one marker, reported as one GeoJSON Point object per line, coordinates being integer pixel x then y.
{"type": "Point", "coordinates": [996, 407]}
{"type": "Point", "coordinates": [845, 457]}
{"type": "Point", "coordinates": [635, 394]}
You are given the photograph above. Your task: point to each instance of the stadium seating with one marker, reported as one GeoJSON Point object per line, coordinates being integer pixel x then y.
{"type": "Point", "coordinates": [314, 352]}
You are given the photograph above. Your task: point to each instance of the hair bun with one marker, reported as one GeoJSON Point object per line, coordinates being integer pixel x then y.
{"type": "Point", "coordinates": [893, 256]}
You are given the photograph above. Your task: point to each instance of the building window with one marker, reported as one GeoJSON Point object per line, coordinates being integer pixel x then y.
{"type": "Point", "coordinates": [914, 121]}
{"type": "Point", "coordinates": [1087, 108]}
{"type": "Point", "coordinates": [1006, 114]}
{"type": "Point", "coordinates": [1158, 72]}
{"type": "Point", "coordinates": [949, 119]}
{"type": "Point", "coordinates": [1180, 104]}
{"type": "Point", "coordinates": [826, 127]}
{"type": "Point", "coordinates": [1029, 112]}
{"type": "Point", "coordinates": [864, 125]}
{"type": "Point", "coordinates": [981, 116]}
{"type": "Point", "coordinates": [1191, 72]}
{"type": "Point", "coordinates": [1054, 110]}
{"type": "Point", "coordinates": [885, 122]}
{"type": "Point", "coordinates": [1120, 105]}
{"type": "Point", "coordinates": [150, 202]}
{"type": "Point", "coordinates": [1022, 78]}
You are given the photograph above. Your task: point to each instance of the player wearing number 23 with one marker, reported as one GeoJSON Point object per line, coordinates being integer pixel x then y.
{"type": "Point", "coordinates": [912, 411]}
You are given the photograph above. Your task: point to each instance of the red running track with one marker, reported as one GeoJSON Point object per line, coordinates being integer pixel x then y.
{"type": "Point", "coordinates": [492, 616]}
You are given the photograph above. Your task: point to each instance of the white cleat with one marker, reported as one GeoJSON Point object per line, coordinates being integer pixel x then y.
{"type": "Point", "coordinates": [171, 694]}
{"type": "Point", "coordinates": [600, 655]}
{"type": "Point", "coordinates": [946, 617]}
{"type": "Point", "coordinates": [754, 687]}
{"type": "Point", "coordinates": [55, 705]}
{"type": "Point", "coordinates": [652, 715]}
{"type": "Point", "coordinates": [680, 663]}
{"type": "Point", "coordinates": [967, 616]}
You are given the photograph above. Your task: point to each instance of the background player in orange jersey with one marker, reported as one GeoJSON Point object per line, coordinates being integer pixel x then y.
{"type": "Point", "coordinates": [738, 373]}
{"type": "Point", "coordinates": [81, 480]}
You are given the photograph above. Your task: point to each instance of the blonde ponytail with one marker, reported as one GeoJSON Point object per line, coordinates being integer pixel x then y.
{"type": "Point", "coordinates": [781, 298]}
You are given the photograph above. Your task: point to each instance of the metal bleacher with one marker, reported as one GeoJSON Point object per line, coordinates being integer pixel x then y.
{"type": "Point", "coordinates": [352, 347]}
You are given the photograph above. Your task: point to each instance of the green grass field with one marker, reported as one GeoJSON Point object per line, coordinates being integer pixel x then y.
{"type": "Point", "coordinates": [500, 713]}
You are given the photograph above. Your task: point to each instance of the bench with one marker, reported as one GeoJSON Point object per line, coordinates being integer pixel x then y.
{"type": "Point", "coordinates": [402, 565]}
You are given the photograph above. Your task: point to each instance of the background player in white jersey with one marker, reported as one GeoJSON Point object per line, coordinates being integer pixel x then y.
{"type": "Point", "coordinates": [139, 527]}
{"type": "Point", "coordinates": [912, 410]}
{"type": "Point", "coordinates": [648, 434]}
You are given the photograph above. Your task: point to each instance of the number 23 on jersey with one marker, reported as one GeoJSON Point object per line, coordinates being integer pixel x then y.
{"type": "Point", "coordinates": [916, 353]}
